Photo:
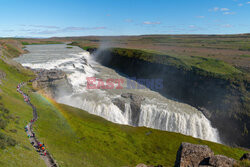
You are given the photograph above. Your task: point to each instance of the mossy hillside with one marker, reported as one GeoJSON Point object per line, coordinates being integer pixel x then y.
{"type": "Point", "coordinates": [10, 51]}
{"type": "Point", "coordinates": [19, 153]}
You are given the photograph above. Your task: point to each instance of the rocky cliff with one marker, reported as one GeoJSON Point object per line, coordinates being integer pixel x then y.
{"type": "Point", "coordinates": [224, 102]}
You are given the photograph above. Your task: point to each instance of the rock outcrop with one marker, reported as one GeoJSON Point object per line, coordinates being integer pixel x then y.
{"type": "Point", "coordinates": [221, 161]}
{"type": "Point", "coordinates": [52, 82]}
{"type": "Point", "coordinates": [246, 156]}
{"type": "Point", "coordinates": [135, 105]}
{"type": "Point", "coordinates": [193, 155]}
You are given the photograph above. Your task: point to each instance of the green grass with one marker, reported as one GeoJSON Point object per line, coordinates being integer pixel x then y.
{"type": "Point", "coordinates": [22, 154]}
{"type": "Point", "coordinates": [201, 65]}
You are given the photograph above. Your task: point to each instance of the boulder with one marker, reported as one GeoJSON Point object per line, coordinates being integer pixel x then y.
{"type": "Point", "coordinates": [193, 155]}
{"type": "Point", "coordinates": [245, 156]}
{"type": "Point", "coordinates": [135, 104]}
{"type": "Point", "coordinates": [221, 161]}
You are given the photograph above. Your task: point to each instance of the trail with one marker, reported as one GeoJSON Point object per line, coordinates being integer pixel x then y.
{"type": "Point", "coordinates": [38, 146]}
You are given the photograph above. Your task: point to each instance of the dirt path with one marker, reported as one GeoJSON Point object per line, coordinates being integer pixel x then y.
{"type": "Point", "coordinates": [38, 146]}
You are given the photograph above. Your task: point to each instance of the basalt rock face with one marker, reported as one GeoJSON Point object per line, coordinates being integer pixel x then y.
{"type": "Point", "coordinates": [221, 101]}
{"type": "Point", "coordinates": [193, 155]}
{"type": "Point", "coordinates": [52, 82]}
{"type": "Point", "coordinates": [134, 101]}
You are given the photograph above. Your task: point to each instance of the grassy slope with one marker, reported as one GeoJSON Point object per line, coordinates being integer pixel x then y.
{"type": "Point", "coordinates": [80, 138]}
{"type": "Point", "coordinates": [76, 138]}
{"type": "Point", "coordinates": [23, 153]}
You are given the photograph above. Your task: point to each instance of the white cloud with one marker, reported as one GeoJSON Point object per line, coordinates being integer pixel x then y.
{"type": "Point", "coordinates": [224, 9]}
{"type": "Point", "coordinates": [151, 23]}
{"type": "Point", "coordinates": [229, 13]}
{"type": "Point", "coordinates": [240, 4]}
{"type": "Point", "coordinates": [192, 26]}
{"type": "Point", "coordinates": [200, 17]}
{"type": "Point", "coordinates": [61, 30]}
{"type": "Point", "coordinates": [248, 2]}
{"type": "Point", "coordinates": [227, 26]}
{"type": "Point", "coordinates": [41, 26]}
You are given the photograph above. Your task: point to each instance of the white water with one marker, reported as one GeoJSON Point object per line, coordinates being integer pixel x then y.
{"type": "Point", "coordinates": [156, 111]}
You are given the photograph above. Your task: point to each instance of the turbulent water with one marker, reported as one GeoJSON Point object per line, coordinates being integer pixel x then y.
{"type": "Point", "coordinates": [156, 111]}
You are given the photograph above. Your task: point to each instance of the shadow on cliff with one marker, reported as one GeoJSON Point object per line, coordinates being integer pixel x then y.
{"type": "Point", "coordinates": [218, 99]}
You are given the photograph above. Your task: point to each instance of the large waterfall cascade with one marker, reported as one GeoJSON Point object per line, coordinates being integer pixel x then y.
{"type": "Point", "coordinates": [155, 111]}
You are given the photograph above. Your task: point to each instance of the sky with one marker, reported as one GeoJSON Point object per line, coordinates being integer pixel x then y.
{"type": "Point", "coordinates": [50, 18]}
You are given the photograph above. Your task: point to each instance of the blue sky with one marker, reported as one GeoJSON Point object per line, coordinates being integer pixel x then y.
{"type": "Point", "coordinates": [47, 18]}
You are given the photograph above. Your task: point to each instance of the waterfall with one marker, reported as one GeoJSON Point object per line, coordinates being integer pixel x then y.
{"type": "Point", "coordinates": [155, 111]}
{"type": "Point", "coordinates": [195, 124]}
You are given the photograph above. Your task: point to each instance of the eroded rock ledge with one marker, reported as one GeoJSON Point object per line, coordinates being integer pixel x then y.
{"type": "Point", "coordinates": [52, 82]}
